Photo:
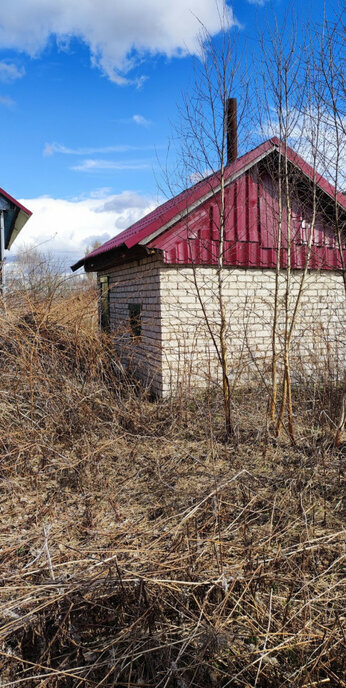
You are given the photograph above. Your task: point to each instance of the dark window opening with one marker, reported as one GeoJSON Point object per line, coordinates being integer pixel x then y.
{"type": "Point", "coordinates": [135, 320]}
{"type": "Point", "coordinates": [105, 306]}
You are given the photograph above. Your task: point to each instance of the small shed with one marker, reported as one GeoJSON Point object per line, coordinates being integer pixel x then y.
{"type": "Point", "coordinates": [158, 278]}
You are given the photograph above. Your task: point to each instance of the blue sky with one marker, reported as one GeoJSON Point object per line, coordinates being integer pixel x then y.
{"type": "Point", "coordinates": [88, 92]}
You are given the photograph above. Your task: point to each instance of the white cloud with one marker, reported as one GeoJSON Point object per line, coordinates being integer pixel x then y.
{"type": "Point", "coordinates": [68, 226]}
{"type": "Point", "coordinates": [52, 148]}
{"type": "Point", "coordinates": [142, 121]}
{"type": "Point", "coordinates": [196, 177]}
{"type": "Point", "coordinates": [10, 72]}
{"type": "Point", "coordinates": [97, 165]}
{"type": "Point", "coordinates": [124, 200]}
{"type": "Point", "coordinates": [101, 193]}
{"type": "Point", "coordinates": [7, 102]}
{"type": "Point", "coordinates": [119, 34]}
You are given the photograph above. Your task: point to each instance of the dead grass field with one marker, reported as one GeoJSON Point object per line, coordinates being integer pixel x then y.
{"type": "Point", "coordinates": [137, 548]}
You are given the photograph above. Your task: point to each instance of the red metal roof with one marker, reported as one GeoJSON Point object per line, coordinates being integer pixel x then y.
{"type": "Point", "coordinates": [251, 230]}
{"type": "Point", "coordinates": [183, 228]}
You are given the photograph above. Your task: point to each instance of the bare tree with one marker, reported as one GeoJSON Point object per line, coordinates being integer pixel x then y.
{"type": "Point", "coordinates": [280, 95]}
{"type": "Point", "coordinates": [329, 90]}
{"type": "Point", "coordinates": [41, 274]}
{"type": "Point", "coordinates": [205, 118]}
{"type": "Point", "coordinates": [297, 104]}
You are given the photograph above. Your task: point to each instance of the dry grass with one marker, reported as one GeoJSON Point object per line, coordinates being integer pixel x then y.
{"type": "Point", "coordinates": [138, 549]}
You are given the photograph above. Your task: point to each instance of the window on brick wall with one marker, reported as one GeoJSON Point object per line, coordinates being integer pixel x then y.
{"type": "Point", "coordinates": [104, 304]}
{"type": "Point", "coordinates": [135, 320]}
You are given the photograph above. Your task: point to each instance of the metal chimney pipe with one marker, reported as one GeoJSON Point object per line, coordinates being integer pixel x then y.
{"type": "Point", "coordinates": [232, 132]}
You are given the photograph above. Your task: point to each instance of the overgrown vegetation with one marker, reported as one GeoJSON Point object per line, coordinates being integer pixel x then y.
{"type": "Point", "coordinates": [140, 549]}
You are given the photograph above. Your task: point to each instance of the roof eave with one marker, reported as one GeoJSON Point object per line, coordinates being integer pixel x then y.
{"type": "Point", "coordinates": [105, 260]}
{"type": "Point", "coordinates": [20, 220]}
{"type": "Point", "coordinates": [90, 261]}
{"type": "Point", "coordinates": [77, 265]}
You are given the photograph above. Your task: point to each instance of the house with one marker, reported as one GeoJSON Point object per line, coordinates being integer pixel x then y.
{"type": "Point", "coordinates": [158, 278]}
{"type": "Point", "coordinates": [13, 216]}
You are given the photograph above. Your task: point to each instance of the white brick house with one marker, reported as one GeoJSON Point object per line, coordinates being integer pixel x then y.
{"type": "Point", "coordinates": [157, 279]}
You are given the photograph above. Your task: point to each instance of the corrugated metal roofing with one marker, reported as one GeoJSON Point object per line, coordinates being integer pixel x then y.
{"type": "Point", "coordinates": [185, 228]}
{"type": "Point", "coordinates": [251, 231]}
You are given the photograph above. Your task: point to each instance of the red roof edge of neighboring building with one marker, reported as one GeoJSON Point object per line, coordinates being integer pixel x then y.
{"type": "Point", "coordinates": [13, 200]}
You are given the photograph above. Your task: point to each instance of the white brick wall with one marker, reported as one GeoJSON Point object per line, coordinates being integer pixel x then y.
{"type": "Point", "coordinates": [137, 283]}
{"type": "Point", "coordinates": [175, 347]}
{"type": "Point", "coordinates": [188, 355]}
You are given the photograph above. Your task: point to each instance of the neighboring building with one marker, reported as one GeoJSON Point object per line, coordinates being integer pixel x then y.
{"type": "Point", "coordinates": [13, 217]}
{"type": "Point", "coordinates": [157, 279]}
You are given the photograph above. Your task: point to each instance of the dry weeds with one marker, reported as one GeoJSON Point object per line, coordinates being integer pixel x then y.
{"type": "Point", "coordinates": [137, 549]}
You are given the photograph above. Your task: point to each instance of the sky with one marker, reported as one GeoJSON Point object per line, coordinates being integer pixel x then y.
{"type": "Point", "coordinates": [88, 94]}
